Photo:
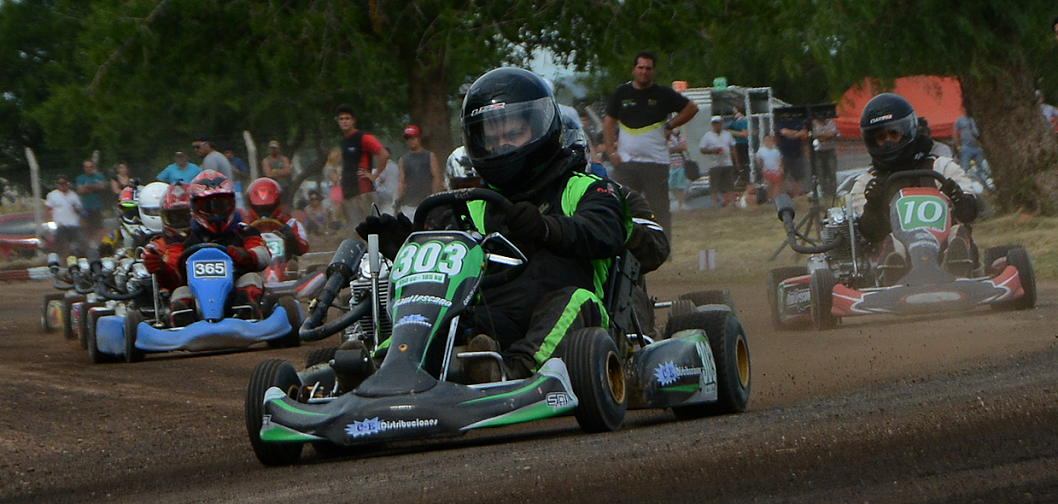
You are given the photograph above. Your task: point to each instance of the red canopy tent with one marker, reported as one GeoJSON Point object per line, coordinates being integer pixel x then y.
{"type": "Point", "coordinates": [938, 99]}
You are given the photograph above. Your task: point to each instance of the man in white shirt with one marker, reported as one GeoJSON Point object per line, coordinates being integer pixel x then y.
{"type": "Point", "coordinates": [717, 146]}
{"type": "Point", "coordinates": [66, 209]}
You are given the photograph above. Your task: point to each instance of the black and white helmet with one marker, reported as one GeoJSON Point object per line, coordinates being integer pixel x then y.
{"type": "Point", "coordinates": [889, 127]}
{"type": "Point", "coordinates": [459, 172]}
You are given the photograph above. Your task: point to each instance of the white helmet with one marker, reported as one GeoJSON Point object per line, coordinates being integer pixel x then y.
{"type": "Point", "coordinates": [459, 173]}
{"type": "Point", "coordinates": [150, 202]}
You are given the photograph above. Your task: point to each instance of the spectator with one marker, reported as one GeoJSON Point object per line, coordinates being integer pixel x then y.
{"type": "Point", "coordinates": [363, 160]}
{"type": "Point", "coordinates": [91, 185]}
{"type": "Point", "coordinates": [792, 133]}
{"type": "Point", "coordinates": [242, 175]}
{"type": "Point", "coordinates": [642, 109]}
{"type": "Point", "coordinates": [677, 175]}
{"type": "Point", "coordinates": [770, 166]}
{"type": "Point", "coordinates": [939, 149]}
{"type": "Point", "coordinates": [594, 136]}
{"type": "Point", "coordinates": [333, 184]}
{"type": "Point", "coordinates": [277, 167]}
{"type": "Point", "coordinates": [211, 158]}
{"type": "Point", "coordinates": [121, 179]}
{"type": "Point", "coordinates": [420, 173]}
{"type": "Point", "coordinates": [717, 146]}
{"type": "Point", "coordinates": [824, 155]}
{"type": "Point", "coordinates": [1050, 113]}
{"type": "Point", "coordinates": [739, 129]}
{"type": "Point", "coordinates": [965, 134]}
{"type": "Point", "coordinates": [317, 218]}
{"type": "Point", "coordinates": [180, 172]}
{"type": "Point", "coordinates": [65, 206]}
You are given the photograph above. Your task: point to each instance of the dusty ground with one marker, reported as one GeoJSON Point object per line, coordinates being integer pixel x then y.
{"type": "Point", "coordinates": [958, 408]}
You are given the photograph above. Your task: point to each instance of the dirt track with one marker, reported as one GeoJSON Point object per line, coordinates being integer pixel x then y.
{"type": "Point", "coordinates": [959, 408]}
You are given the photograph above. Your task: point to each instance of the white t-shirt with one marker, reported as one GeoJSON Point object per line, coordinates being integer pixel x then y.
{"type": "Point", "coordinates": [769, 159]}
{"type": "Point", "coordinates": [65, 208]}
{"type": "Point", "coordinates": [712, 140]}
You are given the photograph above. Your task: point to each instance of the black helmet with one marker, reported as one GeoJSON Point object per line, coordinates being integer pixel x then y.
{"type": "Point", "coordinates": [511, 126]}
{"type": "Point", "coordinates": [884, 118]}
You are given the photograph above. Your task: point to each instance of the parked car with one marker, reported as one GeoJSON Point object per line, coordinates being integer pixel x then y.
{"type": "Point", "coordinates": [18, 235]}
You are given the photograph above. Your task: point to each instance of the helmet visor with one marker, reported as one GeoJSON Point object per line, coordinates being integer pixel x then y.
{"type": "Point", "coordinates": [151, 211]}
{"type": "Point", "coordinates": [214, 206]}
{"type": "Point", "coordinates": [502, 128]}
{"type": "Point", "coordinates": [177, 219]}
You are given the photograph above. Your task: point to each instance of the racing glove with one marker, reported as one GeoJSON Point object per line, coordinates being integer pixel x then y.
{"type": "Point", "coordinates": [964, 206]}
{"type": "Point", "coordinates": [526, 223]}
{"type": "Point", "coordinates": [952, 190]}
{"type": "Point", "coordinates": [874, 192]}
{"type": "Point", "coordinates": [152, 260]}
{"type": "Point", "coordinates": [391, 231]}
{"type": "Point", "coordinates": [242, 258]}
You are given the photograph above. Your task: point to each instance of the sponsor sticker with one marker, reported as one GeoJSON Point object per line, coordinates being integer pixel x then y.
{"type": "Point", "coordinates": [372, 426]}
{"type": "Point", "coordinates": [487, 108]}
{"type": "Point", "coordinates": [668, 373]}
{"type": "Point", "coordinates": [415, 319]}
{"type": "Point", "coordinates": [421, 278]}
{"type": "Point", "coordinates": [209, 269]}
{"type": "Point", "coordinates": [423, 299]}
{"type": "Point", "coordinates": [558, 400]}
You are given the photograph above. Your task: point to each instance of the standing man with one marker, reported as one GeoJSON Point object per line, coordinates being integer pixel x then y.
{"type": "Point", "coordinates": [824, 154]}
{"type": "Point", "coordinates": [363, 160]}
{"type": "Point", "coordinates": [90, 187]}
{"type": "Point", "coordinates": [739, 129]}
{"type": "Point", "coordinates": [180, 172]}
{"type": "Point", "coordinates": [242, 175]}
{"type": "Point", "coordinates": [718, 145]}
{"type": "Point", "coordinates": [277, 167]}
{"type": "Point", "coordinates": [66, 210]}
{"type": "Point", "coordinates": [212, 159]}
{"type": "Point", "coordinates": [641, 158]}
{"type": "Point", "coordinates": [420, 173]}
{"type": "Point", "coordinates": [964, 133]}
{"type": "Point", "coordinates": [792, 133]}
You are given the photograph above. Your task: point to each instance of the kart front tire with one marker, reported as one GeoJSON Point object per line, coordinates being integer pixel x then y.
{"type": "Point", "coordinates": [132, 322]}
{"type": "Point", "coordinates": [776, 277]}
{"type": "Point", "coordinates": [53, 299]}
{"type": "Point", "coordinates": [82, 323]}
{"type": "Point", "coordinates": [822, 286]}
{"type": "Point", "coordinates": [94, 355]}
{"type": "Point", "coordinates": [597, 376]}
{"type": "Point", "coordinates": [730, 348]}
{"type": "Point", "coordinates": [67, 315]}
{"type": "Point", "coordinates": [270, 373]}
{"type": "Point", "coordinates": [1019, 258]}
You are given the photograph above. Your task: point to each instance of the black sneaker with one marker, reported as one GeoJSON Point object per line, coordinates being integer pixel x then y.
{"type": "Point", "coordinates": [892, 268]}
{"type": "Point", "coordinates": [482, 369]}
{"type": "Point", "coordinates": [957, 260]}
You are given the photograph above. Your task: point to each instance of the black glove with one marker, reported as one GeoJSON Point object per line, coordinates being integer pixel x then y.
{"type": "Point", "coordinates": [526, 223]}
{"type": "Point", "coordinates": [952, 190]}
{"type": "Point", "coordinates": [391, 231]}
{"type": "Point", "coordinates": [874, 192]}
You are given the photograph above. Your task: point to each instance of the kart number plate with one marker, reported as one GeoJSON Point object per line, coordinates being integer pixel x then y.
{"type": "Point", "coordinates": [917, 212]}
{"type": "Point", "coordinates": [209, 269]}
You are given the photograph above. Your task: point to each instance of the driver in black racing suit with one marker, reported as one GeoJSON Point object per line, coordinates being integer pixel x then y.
{"type": "Point", "coordinates": [569, 225]}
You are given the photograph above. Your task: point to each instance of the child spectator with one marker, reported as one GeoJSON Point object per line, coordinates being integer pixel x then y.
{"type": "Point", "coordinates": [771, 166]}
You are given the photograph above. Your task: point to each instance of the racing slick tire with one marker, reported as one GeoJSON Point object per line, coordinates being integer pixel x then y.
{"type": "Point", "coordinates": [270, 373]}
{"type": "Point", "coordinates": [82, 323]}
{"type": "Point", "coordinates": [597, 376]}
{"type": "Point", "coordinates": [822, 299]}
{"type": "Point", "coordinates": [681, 307]}
{"type": "Point", "coordinates": [290, 305]}
{"type": "Point", "coordinates": [132, 322]}
{"type": "Point", "coordinates": [716, 296]}
{"type": "Point", "coordinates": [775, 277]}
{"type": "Point", "coordinates": [51, 302]}
{"type": "Point", "coordinates": [94, 355]}
{"type": "Point", "coordinates": [1019, 258]}
{"type": "Point", "coordinates": [67, 315]}
{"type": "Point", "coordinates": [730, 348]}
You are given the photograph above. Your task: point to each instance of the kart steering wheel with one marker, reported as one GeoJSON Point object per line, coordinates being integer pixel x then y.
{"type": "Point", "coordinates": [457, 201]}
{"type": "Point", "coordinates": [199, 246]}
{"type": "Point", "coordinates": [266, 224]}
{"type": "Point", "coordinates": [894, 177]}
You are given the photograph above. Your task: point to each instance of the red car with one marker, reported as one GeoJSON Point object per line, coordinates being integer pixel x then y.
{"type": "Point", "coordinates": [18, 236]}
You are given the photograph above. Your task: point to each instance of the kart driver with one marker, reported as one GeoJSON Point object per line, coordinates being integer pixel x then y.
{"type": "Point", "coordinates": [176, 225]}
{"type": "Point", "coordinates": [569, 224]}
{"type": "Point", "coordinates": [265, 205]}
{"type": "Point", "coordinates": [890, 129]}
{"type": "Point", "coordinates": [214, 220]}
{"type": "Point", "coordinates": [131, 233]}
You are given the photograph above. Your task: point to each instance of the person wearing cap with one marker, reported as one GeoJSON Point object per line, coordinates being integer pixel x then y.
{"type": "Point", "coordinates": [212, 159]}
{"type": "Point", "coordinates": [717, 146]}
{"type": "Point", "coordinates": [420, 173]}
{"type": "Point", "coordinates": [65, 206]}
{"type": "Point", "coordinates": [642, 109]}
{"type": "Point", "coordinates": [181, 171]}
{"type": "Point", "coordinates": [363, 161]}
{"type": "Point", "coordinates": [277, 167]}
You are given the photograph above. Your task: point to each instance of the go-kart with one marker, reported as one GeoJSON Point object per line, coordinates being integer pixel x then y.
{"type": "Point", "coordinates": [60, 310]}
{"type": "Point", "coordinates": [841, 281]}
{"type": "Point", "coordinates": [341, 400]}
{"type": "Point", "coordinates": [282, 275]}
{"type": "Point", "coordinates": [220, 324]}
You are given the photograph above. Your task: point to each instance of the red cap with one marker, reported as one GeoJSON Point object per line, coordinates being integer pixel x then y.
{"type": "Point", "coordinates": [412, 130]}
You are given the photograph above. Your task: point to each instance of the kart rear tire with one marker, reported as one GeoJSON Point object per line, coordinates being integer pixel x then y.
{"type": "Point", "coordinates": [267, 374]}
{"type": "Point", "coordinates": [132, 322]}
{"type": "Point", "coordinates": [597, 376]}
{"type": "Point", "coordinates": [717, 296]}
{"type": "Point", "coordinates": [681, 307]}
{"type": "Point", "coordinates": [67, 315]}
{"type": "Point", "coordinates": [320, 356]}
{"type": "Point", "coordinates": [54, 298]}
{"type": "Point", "coordinates": [776, 277]}
{"type": "Point", "coordinates": [734, 371]}
{"type": "Point", "coordinates": [822, 286]}
{"type": "Point", "coordinates": [82, 323]}
{"type": "Point", "coordinates": [291, 340]}
{"type": "Point", "coordinates": [94, 355]}
{"type": "Point", "coordinates": [1019, 258]}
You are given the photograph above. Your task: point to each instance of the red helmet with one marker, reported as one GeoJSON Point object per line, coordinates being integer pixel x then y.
{"type": "Point", "coordinates": [176, 212]}
{"type": "Point", "coordinates": [264, 196]}
{"type": "Point", "coordinates": [212, 198]}
{"type": "Point", "coordinates": [130, 210]}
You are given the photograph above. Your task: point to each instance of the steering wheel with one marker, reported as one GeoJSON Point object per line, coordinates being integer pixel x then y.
{"type": "Point", "coordinates": [199, 246]}
{"type": "Point", "coordinates": [266, 224]}
{"type": "Point", "coordinates": [894, 177]}
{"type": "Point", "coordinates": [457, 200]}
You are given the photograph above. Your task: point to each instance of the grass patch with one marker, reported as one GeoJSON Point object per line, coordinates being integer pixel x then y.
{"type": "Point", "coordinates": [745, 239]}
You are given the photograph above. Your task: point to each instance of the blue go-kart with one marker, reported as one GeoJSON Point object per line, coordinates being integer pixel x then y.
{"type": "Point", "coordinates": [220, 325]}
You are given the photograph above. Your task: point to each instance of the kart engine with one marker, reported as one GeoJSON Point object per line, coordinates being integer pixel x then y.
{"type": "Point", "coordinates": [848, 260]}
{"type": "Point", "coordinates": [360, 286]}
